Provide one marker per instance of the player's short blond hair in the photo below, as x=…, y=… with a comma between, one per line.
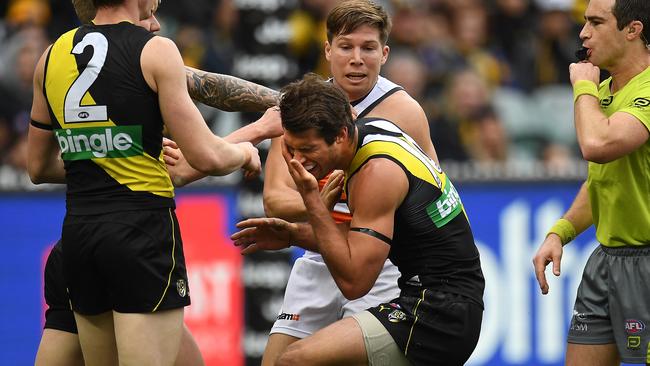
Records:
x=85, y=10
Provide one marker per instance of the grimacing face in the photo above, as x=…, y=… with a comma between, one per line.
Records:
x=311, y=150
x=356, y=59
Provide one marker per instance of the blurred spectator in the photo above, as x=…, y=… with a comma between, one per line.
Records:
x=513, y=33
x=489, y=139
x=32, y=12
x=308, y=36
x=465, y=94
x=20, y=55
x=557, y=42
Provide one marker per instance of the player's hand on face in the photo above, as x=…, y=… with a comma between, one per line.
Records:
x=305, y=181
x=254, y=166
x=331, y=192
x=584, y=71
x=262, y=234
x=550, y=251
x=270, y=123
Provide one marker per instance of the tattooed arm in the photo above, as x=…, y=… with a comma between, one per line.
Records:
x=229, y=93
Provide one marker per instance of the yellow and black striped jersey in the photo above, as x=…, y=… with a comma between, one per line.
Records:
x=106, y=120
x=432, y=242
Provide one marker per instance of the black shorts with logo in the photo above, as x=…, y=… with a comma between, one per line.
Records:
x=432, y=327
x=58, y=314
x=128, y=261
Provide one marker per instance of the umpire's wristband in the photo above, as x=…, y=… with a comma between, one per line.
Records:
x=564, y=229
x=582, y=87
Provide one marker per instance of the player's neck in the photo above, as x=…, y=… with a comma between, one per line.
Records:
x=628, y=68
x=116, y=14
x=349, y=152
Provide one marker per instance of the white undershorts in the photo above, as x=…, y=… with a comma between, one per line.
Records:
x=312, y=300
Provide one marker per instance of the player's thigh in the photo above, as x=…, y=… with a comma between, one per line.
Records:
x=59, y=348
x=592, y=355
x=338, y=344
x=149, y=338
x=277, y=343
x=189, y=353
x=97, y=339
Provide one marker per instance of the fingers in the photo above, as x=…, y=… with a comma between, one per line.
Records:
x=556, y=264
x=540, y=267
x=335, y=179
x=170, y=155
x=170, y=143
x=253, y=248
x=300, y=170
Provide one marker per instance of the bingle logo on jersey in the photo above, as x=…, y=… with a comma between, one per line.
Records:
x=633, y=326
x=100, y=142
x=285, y=316
x=446, y=207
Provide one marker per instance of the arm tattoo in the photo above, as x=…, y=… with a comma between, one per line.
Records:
x=229, y=93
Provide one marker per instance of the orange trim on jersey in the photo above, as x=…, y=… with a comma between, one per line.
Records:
x=339, y=217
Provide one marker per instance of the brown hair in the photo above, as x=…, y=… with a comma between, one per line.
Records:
x=313, y=103
x=349, y=15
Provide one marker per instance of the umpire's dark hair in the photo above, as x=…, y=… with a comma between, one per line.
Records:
x=313, y=103
x=626, y=11
x=106, y=3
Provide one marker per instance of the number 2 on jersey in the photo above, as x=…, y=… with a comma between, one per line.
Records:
x=74, y=111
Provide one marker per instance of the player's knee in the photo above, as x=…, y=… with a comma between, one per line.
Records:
x=295, y=354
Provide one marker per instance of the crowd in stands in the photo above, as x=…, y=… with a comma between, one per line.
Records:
x=492, y=75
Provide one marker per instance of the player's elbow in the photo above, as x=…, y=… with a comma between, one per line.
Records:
x=271, y=204
x=36, y=177
x=353, y=291
x=595, y=152
x=36, y=172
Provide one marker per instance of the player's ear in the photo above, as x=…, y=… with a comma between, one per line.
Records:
x=384, y=54
x=328, y=50
x=634, y=30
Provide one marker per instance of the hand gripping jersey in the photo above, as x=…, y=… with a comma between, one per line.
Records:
x=106, y=120
x=432, y=246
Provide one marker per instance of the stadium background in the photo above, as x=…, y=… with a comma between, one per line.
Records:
x=492, y=77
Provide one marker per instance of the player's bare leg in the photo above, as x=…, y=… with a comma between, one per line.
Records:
x=149, y=339
x=189, y=353
x=592, y=355
x=59, y=348
x=276, y=344
x=338, y=344
x=97, y=339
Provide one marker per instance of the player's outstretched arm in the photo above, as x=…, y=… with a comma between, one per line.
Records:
x=163, y=69
x=229, y=93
